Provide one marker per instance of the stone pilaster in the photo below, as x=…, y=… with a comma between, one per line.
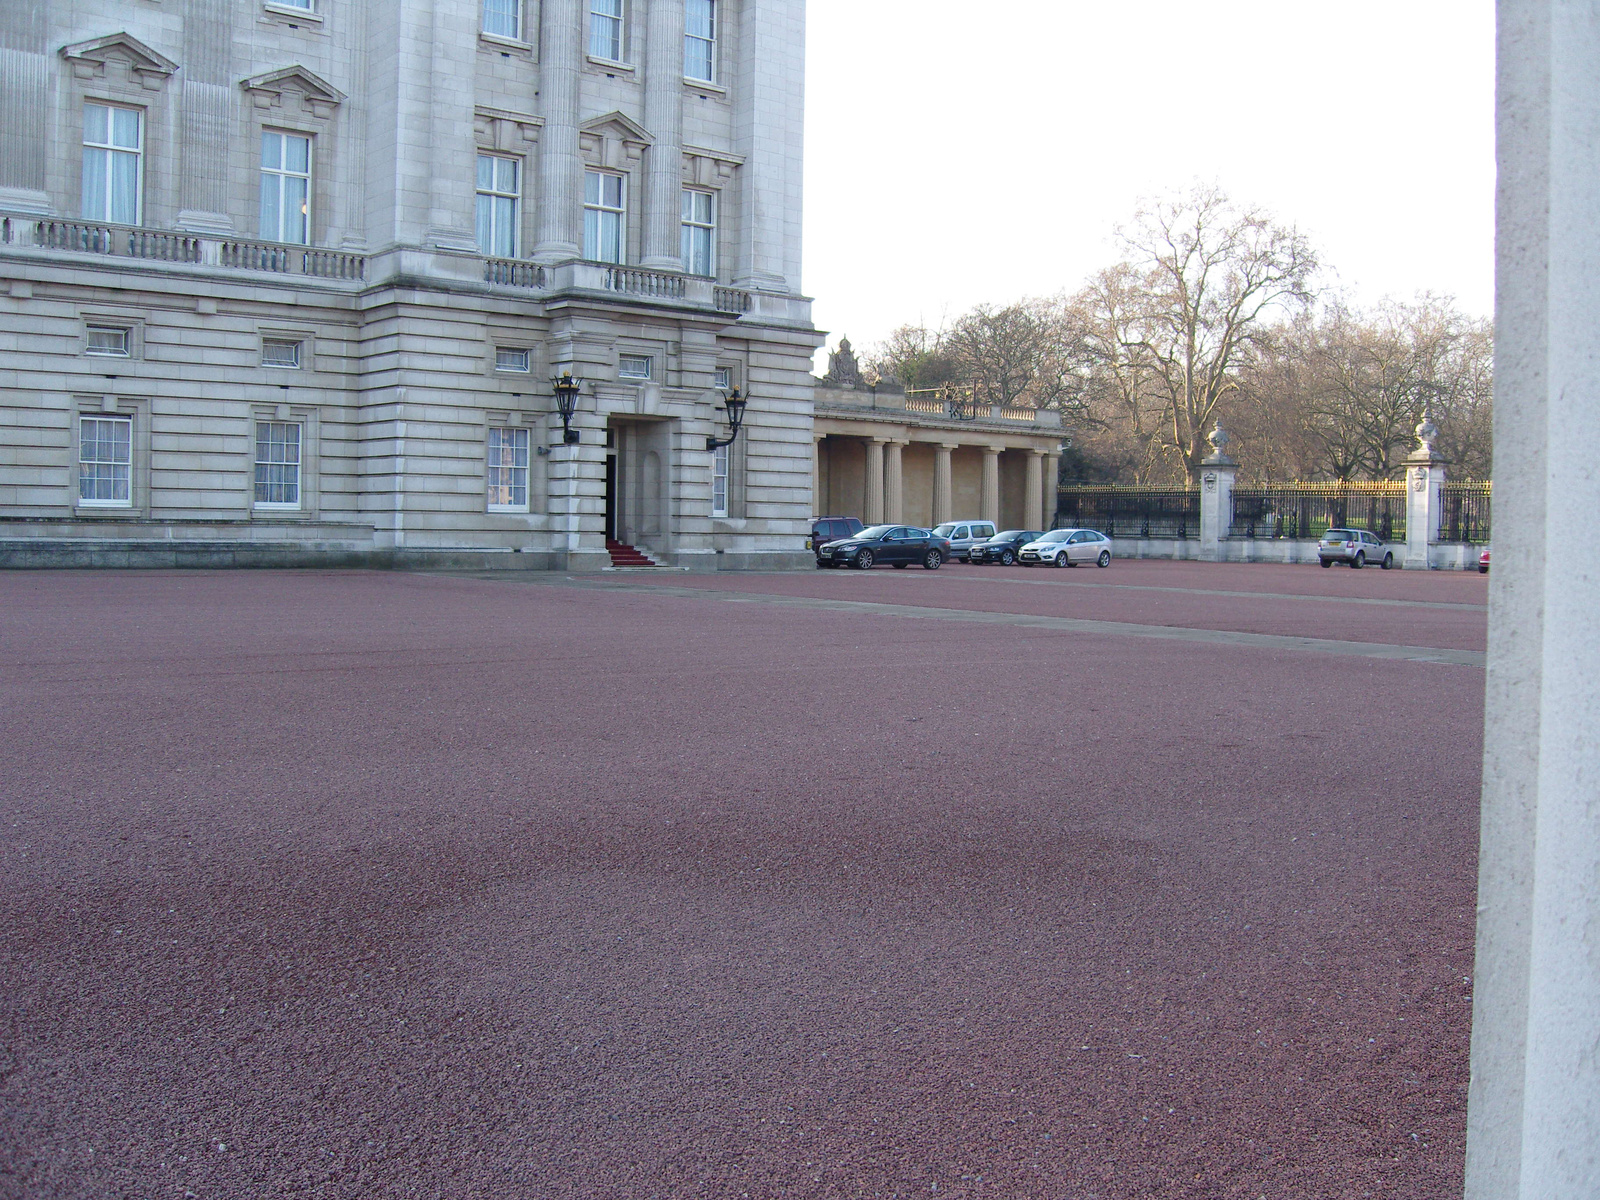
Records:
x=561, y=31
x=989, y=509
x=663, y=116
x=451, y=183
x=769, y=121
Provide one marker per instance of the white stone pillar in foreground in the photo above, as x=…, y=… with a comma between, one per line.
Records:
x=1533, y=1117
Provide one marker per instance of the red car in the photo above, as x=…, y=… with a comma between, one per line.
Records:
x=1483, y=563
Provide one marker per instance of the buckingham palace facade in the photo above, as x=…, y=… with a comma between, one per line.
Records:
x=292, y=280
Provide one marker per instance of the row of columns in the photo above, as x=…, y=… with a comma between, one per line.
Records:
x=886, y=484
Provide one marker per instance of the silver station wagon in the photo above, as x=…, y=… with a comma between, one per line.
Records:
x=1354, y=546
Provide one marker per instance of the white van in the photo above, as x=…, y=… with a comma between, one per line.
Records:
x=962, y=534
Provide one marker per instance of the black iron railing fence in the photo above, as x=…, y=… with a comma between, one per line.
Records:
x=1129, y=512
x=1464, y=511
x=1303, y=511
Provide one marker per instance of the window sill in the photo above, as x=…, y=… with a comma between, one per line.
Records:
x=291, y=12
x=502, y=510
x=501, y=42
x=607, y=64
x=277, y=509
x=106, y=506
x=702, y=85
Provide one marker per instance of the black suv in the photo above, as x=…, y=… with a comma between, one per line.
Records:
x=1002, y=547
x=831, y=529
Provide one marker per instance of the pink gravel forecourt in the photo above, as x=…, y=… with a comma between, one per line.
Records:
x=1080, y=885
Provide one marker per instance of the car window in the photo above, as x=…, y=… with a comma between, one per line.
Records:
x=1341, y=535
x=961, y=532
x=944, y=530
x=875, y=531
x=1057, y=535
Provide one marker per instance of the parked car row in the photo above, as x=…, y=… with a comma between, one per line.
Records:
x=842, y=542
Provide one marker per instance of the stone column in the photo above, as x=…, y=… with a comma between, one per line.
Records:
x=1533, y=1109
x=1424, y=475
x=989, y=508
x=942, y=483
x=1217, y=472
x=873, y=514
x=663, y=117
x=894, y=484
x=561, y=29
x=1033, y=492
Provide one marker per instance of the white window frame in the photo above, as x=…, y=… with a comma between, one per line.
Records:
x=282, y=468
x=279, y=181
x=498, y=214
x=506, y=468
x=721, y=462
x=705, y=44
x=511, y=8
x=299, y=353
x=90, y=469
x=95, y=327
x=309, y=6
x=611, y=44
x=503, y=360
x=110, y=152
x=605, y=213
x=697, y=229
x=628, y=366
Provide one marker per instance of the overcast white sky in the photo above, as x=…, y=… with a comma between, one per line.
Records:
x=960, y=153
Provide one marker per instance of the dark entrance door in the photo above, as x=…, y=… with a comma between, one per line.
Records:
x=611, y=496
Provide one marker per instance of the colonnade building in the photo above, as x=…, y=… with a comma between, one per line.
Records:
x=888, y=455
x=292, y=278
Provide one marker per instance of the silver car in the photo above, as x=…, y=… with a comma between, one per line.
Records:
x=1067, y=548
x=1354, y=546
x=963, y=535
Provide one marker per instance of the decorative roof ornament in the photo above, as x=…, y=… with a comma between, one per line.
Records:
x=843, y=370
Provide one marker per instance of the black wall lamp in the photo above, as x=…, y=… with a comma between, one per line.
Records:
x=735, y=409
x=566, y=404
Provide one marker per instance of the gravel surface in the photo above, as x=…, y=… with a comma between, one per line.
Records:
x=381, y=885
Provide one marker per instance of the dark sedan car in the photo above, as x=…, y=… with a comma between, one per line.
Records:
x=1002, y=547
x=898, y=545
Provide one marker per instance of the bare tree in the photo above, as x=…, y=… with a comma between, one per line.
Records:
x=1213, y=276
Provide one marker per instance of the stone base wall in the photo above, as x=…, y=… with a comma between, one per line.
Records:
x=1442, y=557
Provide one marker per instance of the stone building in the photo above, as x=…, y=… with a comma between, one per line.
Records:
x=885, y=454
x=284, y=278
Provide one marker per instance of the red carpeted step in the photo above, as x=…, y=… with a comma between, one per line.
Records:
x=623, y=555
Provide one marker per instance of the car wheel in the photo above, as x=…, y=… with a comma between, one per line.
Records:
x=1007, y=558
x=932, y=560
x=863, y=561
x=1105, y=558
x=1327, y=562
x=1388, y=561
x=1063, y=560
x=1483, y=570
x=1359, y=561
